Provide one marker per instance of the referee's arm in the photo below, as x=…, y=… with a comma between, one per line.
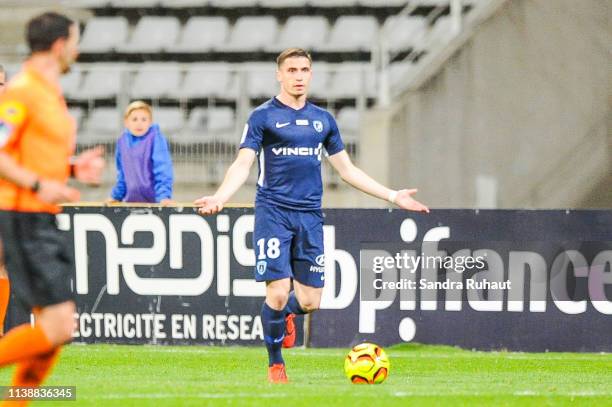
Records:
x=47, y=190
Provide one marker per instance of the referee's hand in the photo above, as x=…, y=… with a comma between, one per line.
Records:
x=208, y=205
x=89, y=165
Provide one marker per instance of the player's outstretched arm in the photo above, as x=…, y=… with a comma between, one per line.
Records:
x=235, y=176
x=362, y=181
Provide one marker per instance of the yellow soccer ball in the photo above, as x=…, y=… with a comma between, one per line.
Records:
x=367, y=363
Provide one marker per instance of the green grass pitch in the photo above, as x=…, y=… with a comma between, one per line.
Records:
x=112, y=375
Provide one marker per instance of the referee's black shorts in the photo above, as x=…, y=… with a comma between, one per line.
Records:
x=37, y=257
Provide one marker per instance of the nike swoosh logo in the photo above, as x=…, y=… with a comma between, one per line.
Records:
x=281, y=125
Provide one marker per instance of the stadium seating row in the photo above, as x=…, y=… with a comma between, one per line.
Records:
x=211, y=80
x=248, y=3
x=200, y=34
x=200, y=126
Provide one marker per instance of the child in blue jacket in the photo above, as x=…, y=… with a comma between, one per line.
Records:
x=144, y=164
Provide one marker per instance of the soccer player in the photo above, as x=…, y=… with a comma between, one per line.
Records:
x=37, y=138
x=5, y=291
x=288, y=134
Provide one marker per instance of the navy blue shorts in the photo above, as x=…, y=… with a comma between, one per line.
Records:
x=289, y=244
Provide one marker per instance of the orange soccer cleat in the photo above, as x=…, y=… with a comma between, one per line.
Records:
x=289, y=340
x=277, y=374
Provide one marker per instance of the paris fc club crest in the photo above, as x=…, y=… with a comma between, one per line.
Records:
x=318, y=125
x=261, y=267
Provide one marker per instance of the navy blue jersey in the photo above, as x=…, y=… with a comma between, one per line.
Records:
x=290, y=144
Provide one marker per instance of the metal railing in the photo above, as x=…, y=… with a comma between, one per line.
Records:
x=204, y=146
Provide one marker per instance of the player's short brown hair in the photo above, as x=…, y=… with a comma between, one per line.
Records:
x=291, y=53
x=43, y=30
x=138, y=105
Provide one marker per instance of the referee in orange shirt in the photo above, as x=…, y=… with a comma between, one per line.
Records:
x=5, y=292
x=37, y=139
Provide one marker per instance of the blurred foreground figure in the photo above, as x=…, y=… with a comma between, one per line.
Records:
x=37, y=139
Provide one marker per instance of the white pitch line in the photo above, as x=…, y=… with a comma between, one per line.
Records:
x=403, y=355
x=188, y=395
x=463, y=355
x=526, y=393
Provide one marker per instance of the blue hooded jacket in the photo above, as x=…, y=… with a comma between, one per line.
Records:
x=161, y=164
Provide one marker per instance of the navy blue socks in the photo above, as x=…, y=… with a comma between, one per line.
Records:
x=273, y=322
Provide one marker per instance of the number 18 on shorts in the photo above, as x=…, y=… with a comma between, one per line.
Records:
x=289, y=244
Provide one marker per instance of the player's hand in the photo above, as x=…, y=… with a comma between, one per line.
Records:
x=208, y=205
x=167, y=202
x=88, y=166
x=405, y=200
x=111, y=201
x=55, y=192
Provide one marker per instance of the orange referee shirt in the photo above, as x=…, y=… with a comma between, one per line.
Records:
x=37, y=131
